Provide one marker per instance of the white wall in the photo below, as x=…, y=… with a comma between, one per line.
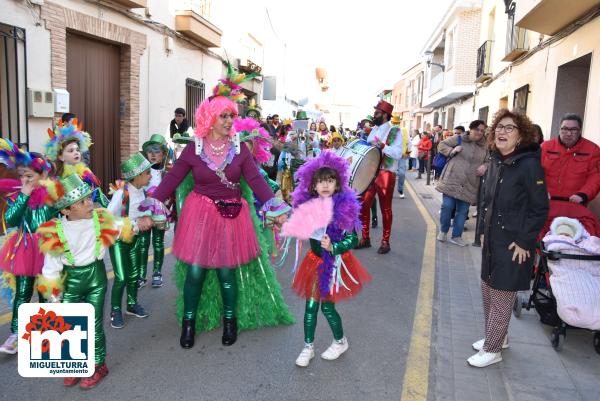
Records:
x=38, y=59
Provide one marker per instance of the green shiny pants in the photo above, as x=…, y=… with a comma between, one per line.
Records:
x=126, y=260
x=158, y=246
x=23, y=293
x=310, y=320
x=192, y=290
x=88, y=284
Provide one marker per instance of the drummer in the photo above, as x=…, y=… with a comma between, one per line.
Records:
x=389, y=140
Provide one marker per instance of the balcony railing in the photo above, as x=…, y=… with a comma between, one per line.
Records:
x=484, y=59
x=516, y=40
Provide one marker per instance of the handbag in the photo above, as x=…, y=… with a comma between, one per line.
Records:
x=228, y=209
x=439, y=161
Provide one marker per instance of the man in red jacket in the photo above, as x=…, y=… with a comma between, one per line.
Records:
x=572, y=168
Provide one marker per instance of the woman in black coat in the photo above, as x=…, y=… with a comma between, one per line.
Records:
x=515, y=205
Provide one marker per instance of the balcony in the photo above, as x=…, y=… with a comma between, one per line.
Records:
x=516, y=42
x=484, y=58
x=197, y=28
x=131, y=3
x=550, y=16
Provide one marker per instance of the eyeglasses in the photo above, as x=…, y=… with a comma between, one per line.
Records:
x=572, y=130
x=507, y=128
x=226, y=116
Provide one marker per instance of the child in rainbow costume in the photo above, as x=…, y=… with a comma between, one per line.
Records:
x=326, y=211
x=65, y=147
x=74, y=248
x=20, y=258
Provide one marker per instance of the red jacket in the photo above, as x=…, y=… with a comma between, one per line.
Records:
x=572, y=171
x=425, y=146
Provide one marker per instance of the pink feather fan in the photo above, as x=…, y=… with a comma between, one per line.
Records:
x=309, y=217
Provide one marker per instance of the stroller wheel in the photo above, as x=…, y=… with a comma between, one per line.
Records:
x=557, y=338
x=518, y=305
x=597, y=341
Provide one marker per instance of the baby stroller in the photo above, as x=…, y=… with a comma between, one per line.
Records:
x=566, y=286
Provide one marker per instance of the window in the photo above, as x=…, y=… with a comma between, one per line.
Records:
x=194, y=95
x=450, y=123
x=520, y=99
x=450, y=49
x=13, y=84
x=483, y=114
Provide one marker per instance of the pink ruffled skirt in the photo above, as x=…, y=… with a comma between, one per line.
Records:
x=205, y=238
x=21, y=255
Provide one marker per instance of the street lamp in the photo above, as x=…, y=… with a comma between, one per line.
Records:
x=429, y=57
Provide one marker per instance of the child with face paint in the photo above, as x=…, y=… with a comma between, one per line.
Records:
x=20, y=257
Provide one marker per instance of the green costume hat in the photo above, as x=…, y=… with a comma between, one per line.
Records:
x=301, y=115
x=134, y=166
x=182, y=139
x=75, y=189
x=156, y=139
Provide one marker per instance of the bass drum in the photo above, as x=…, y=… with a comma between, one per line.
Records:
x=364, y=164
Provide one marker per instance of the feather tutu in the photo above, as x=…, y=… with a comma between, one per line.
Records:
x=309, y=217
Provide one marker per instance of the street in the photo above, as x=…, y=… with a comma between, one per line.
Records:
x=146, y=361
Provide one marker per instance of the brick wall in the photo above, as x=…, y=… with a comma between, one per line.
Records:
x=466, y=47
x=58, y=19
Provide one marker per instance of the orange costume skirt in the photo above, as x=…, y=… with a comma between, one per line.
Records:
x=353, y=276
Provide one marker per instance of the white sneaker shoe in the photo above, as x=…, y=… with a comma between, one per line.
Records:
x=478, y=345
x=308, y=353
x=10, y=345
x=401, y=195
x=483, y=359
x=457, y=241
x=442, y=237
x=336, y=349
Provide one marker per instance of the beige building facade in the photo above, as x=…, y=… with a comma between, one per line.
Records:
x=121, y=66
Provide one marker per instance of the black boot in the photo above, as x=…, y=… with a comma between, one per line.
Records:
x=229, y=331
x=188, y=330
x=374, y=222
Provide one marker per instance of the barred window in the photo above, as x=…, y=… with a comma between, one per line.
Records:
x=13, y=84
x=194, y=95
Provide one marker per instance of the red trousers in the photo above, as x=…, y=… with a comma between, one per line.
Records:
x=383, y=186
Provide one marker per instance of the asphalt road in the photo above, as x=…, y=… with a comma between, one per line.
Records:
x=146, y=362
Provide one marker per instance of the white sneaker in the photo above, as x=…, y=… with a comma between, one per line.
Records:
x=483, y=359
x=457, y=241
x=401, y=195
x=308, y=353
x=478, y=345
x=10, y=345
x=336, y=349
x=442, y=237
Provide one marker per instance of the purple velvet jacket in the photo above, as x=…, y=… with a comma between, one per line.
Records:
x=206, y=181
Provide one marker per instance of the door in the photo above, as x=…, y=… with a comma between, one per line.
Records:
x=93, y=84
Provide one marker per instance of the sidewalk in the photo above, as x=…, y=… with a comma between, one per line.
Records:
x=531, y=369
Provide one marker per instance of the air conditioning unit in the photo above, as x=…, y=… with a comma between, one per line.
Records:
x=40, y=103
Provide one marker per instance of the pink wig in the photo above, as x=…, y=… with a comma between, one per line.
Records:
x=208, y=112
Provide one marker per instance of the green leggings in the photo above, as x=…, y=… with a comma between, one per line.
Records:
x=310, y=320
x=23, y=294
x=126, y=260
x=158, y=246
x=192, y=290
x=88, y=284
